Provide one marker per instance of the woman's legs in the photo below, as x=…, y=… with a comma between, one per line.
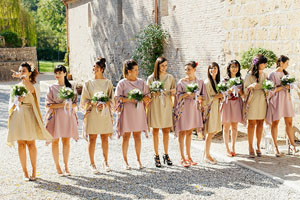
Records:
x=208, y=140
x=22, y=156
x=55, y=154
x=155, y=132
x=104, y=145
x=259, y=132
x=92, y=144
x=166, y=132
x=138, y=146
x=188, y=140
x=226, y=137
x=181, y=137
x=289, y=130
x=125, y=144
x=234, y=128
x=66, y=152
x=251, y=127
x=33, y=156
x=274, y=132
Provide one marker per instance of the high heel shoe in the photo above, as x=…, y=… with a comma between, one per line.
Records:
x=105, y=166
x=210, y=161
x=277, y=152
x=294, y=150
x=258, y=153
x=157, y=161
x=94, y=169
x=127, y=167
x=184, y=163
x=189, y=160
x=167, y=159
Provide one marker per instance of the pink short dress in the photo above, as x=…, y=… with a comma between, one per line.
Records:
x=187, y=112
x=132, y=118
x=232, y=110
x=60, y=124
x=280, y=103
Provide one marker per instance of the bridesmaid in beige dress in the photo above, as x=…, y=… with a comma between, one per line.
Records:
x=213, y=124
x=160, y=110
x=256, y=104
x=95, y=122
x=25, y=124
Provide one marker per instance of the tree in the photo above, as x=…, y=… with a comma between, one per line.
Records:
x=15, y=18
x=150, y=43
x=248, y=56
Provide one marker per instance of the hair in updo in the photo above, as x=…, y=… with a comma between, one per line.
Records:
x=34, y=73
x=283, y=59
x=193, y=64
x=128, y=65
x=101, y=62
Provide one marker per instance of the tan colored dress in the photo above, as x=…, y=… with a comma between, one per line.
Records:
x=95, y=122
x=257, y=101
x=160, y=110
x=26, y=123
x=213, y=123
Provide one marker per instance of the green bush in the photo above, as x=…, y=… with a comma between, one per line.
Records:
x=150, y=43
x=248, y=56
x=11, y=39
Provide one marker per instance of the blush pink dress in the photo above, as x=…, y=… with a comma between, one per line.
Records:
x=132, y=118
x=232, y=111
x=280, y=103
x=60, y=124
x=191, y=114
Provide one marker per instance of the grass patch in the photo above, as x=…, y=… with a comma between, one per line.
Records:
x=48, y=66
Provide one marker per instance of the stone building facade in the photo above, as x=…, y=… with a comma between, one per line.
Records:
x=202, y=30
x=11, y=58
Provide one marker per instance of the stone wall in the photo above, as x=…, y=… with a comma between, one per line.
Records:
x=11, y=58
x=203, y=30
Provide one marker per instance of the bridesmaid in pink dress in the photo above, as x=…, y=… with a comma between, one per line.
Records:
x=232, y=110
x=132, y=117
x=188, y=114
x=59, y=123
x=280, y=104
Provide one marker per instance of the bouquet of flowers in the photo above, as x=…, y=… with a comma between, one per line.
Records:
x=286, y=80
x=234, y=84
x=191, y=88
x=100, y=97
x=222, y=87
x=156, y=86
x=18, y=91
x=268, y=85
x=237, y=81
x=66, y=93
x=135, y=94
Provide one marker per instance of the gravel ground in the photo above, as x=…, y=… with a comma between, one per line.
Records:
x=222, y=181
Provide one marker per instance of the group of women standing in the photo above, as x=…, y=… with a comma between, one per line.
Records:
x=170, y=109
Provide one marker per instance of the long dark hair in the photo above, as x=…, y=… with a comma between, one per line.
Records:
x=234, y=62
x=34, y=73
x=158, y=61
x=61, y=68
x=128, y=65
x=259, y=59
x=283, y=59
x=218, y=77
x=101, y=62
